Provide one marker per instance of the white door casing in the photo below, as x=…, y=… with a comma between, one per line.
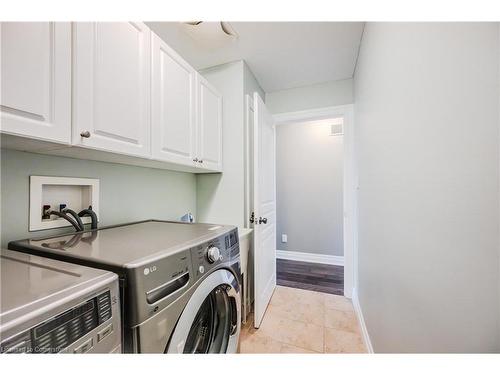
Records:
x=173, y=105
x=264, y=191
x=36, y=80
x=209, y=129
x=350, y=182
x=249, y=133
x=112, y=86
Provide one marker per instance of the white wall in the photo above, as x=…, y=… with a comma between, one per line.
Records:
x=221, y=197
x=250, y=83
x=327, y=94
x=427, y=116
x=309, y=188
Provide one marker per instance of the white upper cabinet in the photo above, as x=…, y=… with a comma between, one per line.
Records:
x=173, y=105
x=209, y=130
x=186, y=110
x=107, y=87
x=112, y=86
x=36, y=80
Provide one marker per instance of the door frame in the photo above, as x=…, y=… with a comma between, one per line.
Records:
x=248, y=155
x=350, y=182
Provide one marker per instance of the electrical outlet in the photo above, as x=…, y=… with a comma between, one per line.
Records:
x=284, y=238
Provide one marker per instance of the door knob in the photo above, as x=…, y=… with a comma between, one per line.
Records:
x=85, y=134
x=262, y=220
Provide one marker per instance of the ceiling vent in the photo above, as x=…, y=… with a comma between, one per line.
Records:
x=210, y=35
x=337, y=129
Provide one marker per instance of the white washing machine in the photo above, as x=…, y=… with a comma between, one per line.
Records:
x=47, y=306
x=179, y=282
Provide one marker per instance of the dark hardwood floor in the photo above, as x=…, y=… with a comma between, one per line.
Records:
x=311, y=276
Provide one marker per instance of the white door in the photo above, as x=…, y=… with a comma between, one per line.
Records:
x=264, y=191
x=209, y=150
x=112, y=85
x=36, y=80
x=173, y=105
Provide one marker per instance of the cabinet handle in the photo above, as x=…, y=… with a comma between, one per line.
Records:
x=85, y=134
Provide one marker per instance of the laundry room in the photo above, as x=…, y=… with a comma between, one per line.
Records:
x=284, y=187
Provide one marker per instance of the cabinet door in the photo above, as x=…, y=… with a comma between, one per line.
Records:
x=173, y=105
x=209, y=149
x=112, y=82
x=36, y=80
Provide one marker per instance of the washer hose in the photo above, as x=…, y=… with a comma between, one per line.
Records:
x=92, y=214
x=75, y=216
x=66, y=217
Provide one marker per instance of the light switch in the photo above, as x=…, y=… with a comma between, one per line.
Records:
x=284, y=238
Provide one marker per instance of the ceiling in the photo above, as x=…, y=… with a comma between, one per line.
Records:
x=282, y=55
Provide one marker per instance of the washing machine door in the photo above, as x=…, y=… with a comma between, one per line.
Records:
x=210, y=322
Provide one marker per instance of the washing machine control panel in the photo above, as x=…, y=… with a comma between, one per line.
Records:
x=214, y=252
x=232, y=243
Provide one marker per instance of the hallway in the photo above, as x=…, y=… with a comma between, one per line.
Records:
x=325, y=278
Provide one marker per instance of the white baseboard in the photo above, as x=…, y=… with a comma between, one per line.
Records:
x=361, y=319
x=310, y=257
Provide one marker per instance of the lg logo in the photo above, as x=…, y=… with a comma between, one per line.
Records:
x=148, y=270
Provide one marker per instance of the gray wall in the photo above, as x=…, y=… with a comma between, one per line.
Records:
x=126, y=193
x=309, y=188
x=327, y=94
x=426, y=105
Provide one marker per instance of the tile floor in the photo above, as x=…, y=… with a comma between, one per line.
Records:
x=303, y=321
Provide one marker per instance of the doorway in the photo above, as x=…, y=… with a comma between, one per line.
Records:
x=329, y=121
x=309, y=205
x=348, y=191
